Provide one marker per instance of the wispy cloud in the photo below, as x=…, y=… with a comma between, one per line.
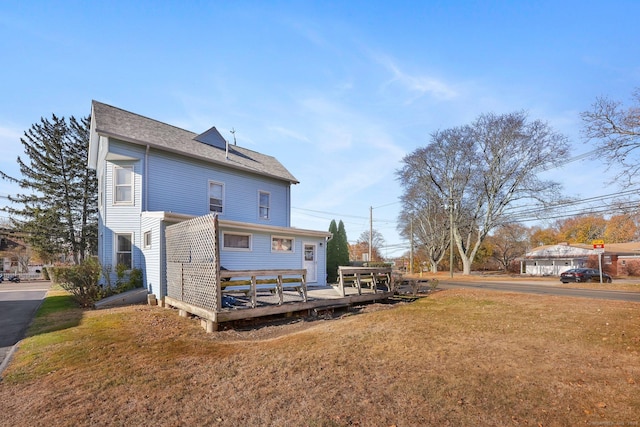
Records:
x=419, y=85
x=289, y=133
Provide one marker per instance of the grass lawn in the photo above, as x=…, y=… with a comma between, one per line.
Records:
x=458, y=357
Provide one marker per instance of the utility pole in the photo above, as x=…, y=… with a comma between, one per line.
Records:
x=370, y=230
x=411, y=250
x=451, y=239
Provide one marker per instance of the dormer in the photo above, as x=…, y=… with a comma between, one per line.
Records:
x=212, y=137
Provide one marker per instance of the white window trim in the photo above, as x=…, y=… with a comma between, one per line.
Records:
x=225, y=248
x=115, y=247
x=147, y=239
x=268, y=217
x=292, y=248
x=115, y=185
x=221, y=184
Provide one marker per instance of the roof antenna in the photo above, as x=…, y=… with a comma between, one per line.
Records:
x=233, y=132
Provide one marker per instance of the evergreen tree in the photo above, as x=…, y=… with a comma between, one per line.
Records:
x=59, y=207
x=342, y=245
x=332, y=253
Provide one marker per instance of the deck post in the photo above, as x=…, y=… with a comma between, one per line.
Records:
x=303, y=286
x=279, y=289
x=254, y=292
x=210, y=326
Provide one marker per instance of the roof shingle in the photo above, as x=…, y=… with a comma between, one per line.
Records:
x=120, y=124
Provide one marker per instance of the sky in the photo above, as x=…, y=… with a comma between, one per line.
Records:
x=339, y=92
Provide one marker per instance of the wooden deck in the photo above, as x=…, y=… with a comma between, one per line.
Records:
x=317, y=298
x=197, y=284
x=259, y=298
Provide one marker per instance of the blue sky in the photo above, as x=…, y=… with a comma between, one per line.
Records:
x=339, y=92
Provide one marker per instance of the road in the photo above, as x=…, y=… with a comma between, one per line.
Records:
x=540, y=288
x=18, y=304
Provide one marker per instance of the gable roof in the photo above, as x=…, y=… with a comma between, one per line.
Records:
x=564, y=250
x=209, y=146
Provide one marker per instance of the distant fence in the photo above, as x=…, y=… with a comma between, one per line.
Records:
x=23, y=276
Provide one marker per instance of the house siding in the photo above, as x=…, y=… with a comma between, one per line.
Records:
x=261, y=245
x=153, y=273
x=179, y=184
x=171, y=175
x=123, y=218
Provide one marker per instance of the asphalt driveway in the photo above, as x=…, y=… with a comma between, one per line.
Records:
x=18, y=305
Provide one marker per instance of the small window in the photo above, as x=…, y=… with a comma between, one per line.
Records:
x=123, y=184
x=124, y=245
x=281, y=244
x=216, y=192
x=264, y=204
x=236, y=241
x=147, y=239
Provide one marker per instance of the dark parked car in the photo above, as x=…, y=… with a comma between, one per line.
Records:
x=584, y=275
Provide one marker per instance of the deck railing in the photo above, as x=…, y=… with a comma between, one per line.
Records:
x=277, y=280
x=358, y=277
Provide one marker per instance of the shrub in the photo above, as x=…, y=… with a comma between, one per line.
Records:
x=377, y=264
x=82, y=281
x=633, y=268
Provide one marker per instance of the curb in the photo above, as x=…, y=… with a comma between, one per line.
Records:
x=7, y=359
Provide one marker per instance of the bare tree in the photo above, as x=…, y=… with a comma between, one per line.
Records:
x=481, y=169
x=616, y=131
x=509, y=242
x=425, y=224
x=377, y=243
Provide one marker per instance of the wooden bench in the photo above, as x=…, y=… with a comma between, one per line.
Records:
x=274, y=280
x=371, y=277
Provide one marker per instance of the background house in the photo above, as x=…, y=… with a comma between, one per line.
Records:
x=552, y=260
x=151, y=174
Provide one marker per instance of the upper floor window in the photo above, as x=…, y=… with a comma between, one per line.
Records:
x=216, y=193
x=264, y=205
x=123, y=184
x=124, y=245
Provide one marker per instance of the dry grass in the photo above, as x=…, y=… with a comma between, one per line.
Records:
x=619, y=283
x=459, y=357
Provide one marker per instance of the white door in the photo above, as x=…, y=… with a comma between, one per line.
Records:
x=310, y=263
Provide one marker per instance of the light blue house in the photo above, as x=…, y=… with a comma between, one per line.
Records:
x=151, y=175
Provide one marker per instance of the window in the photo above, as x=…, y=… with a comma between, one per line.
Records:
x=147, y=239
x=123, y=184
x=264, y=204
x=124, y=249
x=281, y=244
x=236, y=241
x=216, y=191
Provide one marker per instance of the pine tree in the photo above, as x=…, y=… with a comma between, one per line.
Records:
x=343, y=245
x=332, y=253
x=58, y=210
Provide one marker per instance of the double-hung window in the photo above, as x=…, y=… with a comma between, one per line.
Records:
x=264, y=204
x=123, y=184
x=216, y=196
x=124, y=246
